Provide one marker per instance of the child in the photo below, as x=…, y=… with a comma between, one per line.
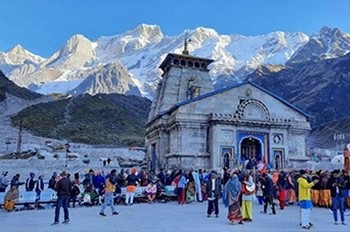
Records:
x=87, y=200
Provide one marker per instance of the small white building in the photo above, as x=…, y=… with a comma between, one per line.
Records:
x=191, y=125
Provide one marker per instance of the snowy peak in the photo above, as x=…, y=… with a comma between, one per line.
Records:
x=18, y=55
x=152, y=33
x=17, y=49
x=75, y=45
x=326, y=43
x=113, y=47
x=85, y=64
x=108, y=78
x=75, y=54
x=201, y=34
x=328, y=32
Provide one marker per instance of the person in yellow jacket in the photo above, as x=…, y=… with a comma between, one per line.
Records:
x=305, y=198
x=111, y=181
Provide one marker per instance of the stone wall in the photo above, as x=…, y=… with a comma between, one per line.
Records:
x=188, y=161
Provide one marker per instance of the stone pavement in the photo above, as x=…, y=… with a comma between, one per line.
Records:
x=168, y=217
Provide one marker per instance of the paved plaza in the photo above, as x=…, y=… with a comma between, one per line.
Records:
x=168, y=217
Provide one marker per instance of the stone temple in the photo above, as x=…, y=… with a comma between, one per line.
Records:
x=192, y=125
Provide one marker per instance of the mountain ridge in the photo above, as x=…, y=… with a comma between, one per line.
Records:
x=320, y=88
x=142, y=49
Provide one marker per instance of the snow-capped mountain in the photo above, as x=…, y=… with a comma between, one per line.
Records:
x=18, y=55
x=325, y=44
x=143, y=48
x=17, y=62
x=77, y=52
x=108, y=78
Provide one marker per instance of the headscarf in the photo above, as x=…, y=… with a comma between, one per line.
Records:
x=232, y=188
x=133, y=171
x=12, y=194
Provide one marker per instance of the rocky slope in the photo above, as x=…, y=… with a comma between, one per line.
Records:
x=325, y=44
x=321, y=88
x=101, y=119
x=323, y=136
x=109, y=78
x=7, y=87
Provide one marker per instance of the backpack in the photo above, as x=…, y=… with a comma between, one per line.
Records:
x=248, y=190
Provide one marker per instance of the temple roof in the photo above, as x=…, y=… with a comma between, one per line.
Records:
x=177, y=105
x=169, y=60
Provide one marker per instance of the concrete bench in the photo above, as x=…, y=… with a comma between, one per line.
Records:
x=170, y=191
x=2, y=200
x=140, y=192
x=26, y=197
x=48, y=196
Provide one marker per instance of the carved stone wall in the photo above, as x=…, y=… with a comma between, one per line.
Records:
x=194, y=133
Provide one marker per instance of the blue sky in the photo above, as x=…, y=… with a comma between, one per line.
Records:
x=43, y=26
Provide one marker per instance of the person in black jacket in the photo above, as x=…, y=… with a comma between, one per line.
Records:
x=74, y=193
x=168, y=178
x=15, y=181
x=213, y=194
x=30, y=182
x=30, y=186
x=38, y=189
x=52, y=181
x=63, y=188
x=161, y=176
x=268, y=192
x=132, y=181
x=337, y=184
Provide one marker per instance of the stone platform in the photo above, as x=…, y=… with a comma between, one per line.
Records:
x=169, y=217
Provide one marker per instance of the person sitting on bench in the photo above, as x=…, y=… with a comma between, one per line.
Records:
x=10, y=198
x=151, y=191
x=161, y=194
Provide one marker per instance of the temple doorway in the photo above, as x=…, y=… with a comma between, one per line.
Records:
x=278, y=159
x=251, y=148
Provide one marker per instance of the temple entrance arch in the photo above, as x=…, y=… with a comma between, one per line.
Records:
x=261, y=142
x=251, y=147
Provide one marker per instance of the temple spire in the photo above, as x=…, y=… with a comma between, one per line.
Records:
x=185, y=51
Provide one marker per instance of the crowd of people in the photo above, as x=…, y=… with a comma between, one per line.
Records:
x=237, y=188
